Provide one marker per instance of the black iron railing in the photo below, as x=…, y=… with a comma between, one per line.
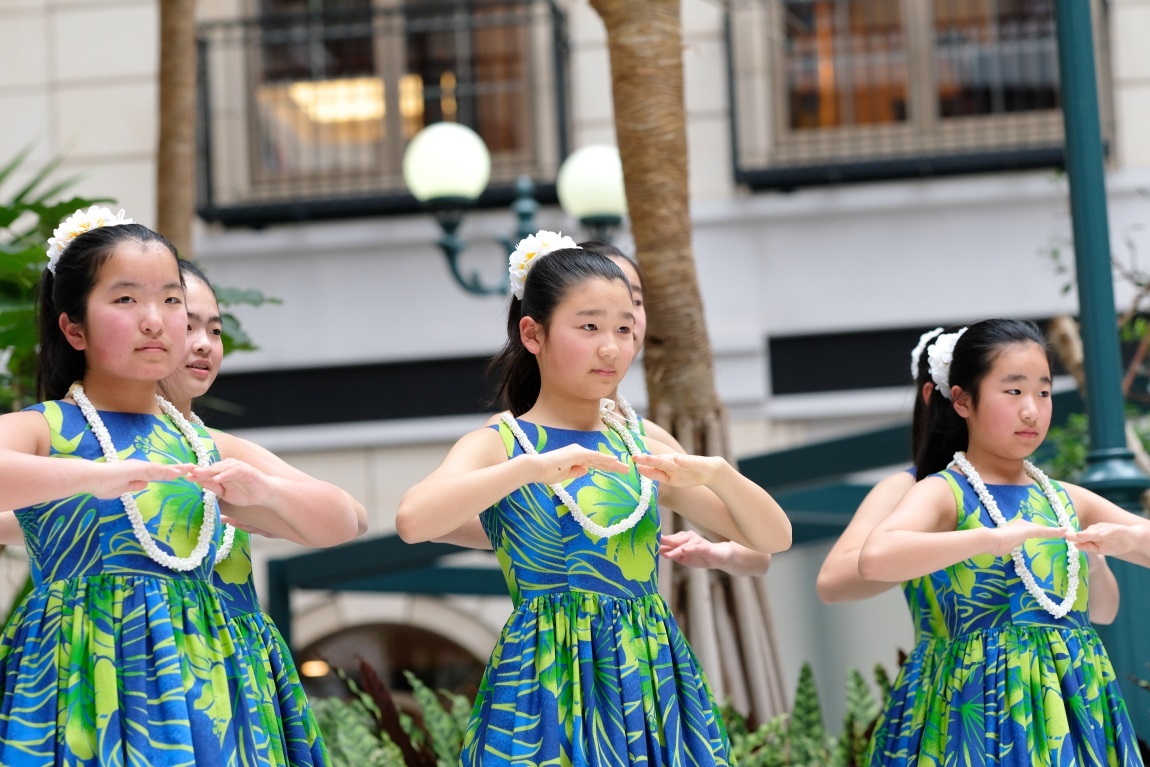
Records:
x=825, y=91
x=306, y=115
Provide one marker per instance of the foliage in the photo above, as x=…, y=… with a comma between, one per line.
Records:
x=27, y=219
x=1064, y=451
x=799, y=739
x=369, y=729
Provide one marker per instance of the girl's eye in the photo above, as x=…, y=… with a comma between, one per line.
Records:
x=124, y=300
x=591, y=326
x=1013, y=391
x=625, y=329
x=173, y=300
x=1044, y=393
x=216, y=331
x=638, y=303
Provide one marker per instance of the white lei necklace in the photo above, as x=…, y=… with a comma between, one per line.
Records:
x=1057, y=610
x=634, y=423
x=229, y=531
x=132, y=509
x=645, y=485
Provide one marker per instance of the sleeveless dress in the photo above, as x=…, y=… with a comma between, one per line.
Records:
x=899, y=727
x=590, y=669
x=1016, y=685
x=284, y=710
x=113, y=659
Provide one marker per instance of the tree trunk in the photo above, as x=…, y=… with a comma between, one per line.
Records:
x=176, y=143
x=727, y=620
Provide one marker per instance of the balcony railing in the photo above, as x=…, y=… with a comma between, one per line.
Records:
x=826, y=91
x=306, y=115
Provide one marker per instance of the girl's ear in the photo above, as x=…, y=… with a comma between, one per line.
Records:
x=531, y=334
x=73, y=332
x=961, y=401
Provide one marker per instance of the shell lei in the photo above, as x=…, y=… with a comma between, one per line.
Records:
x=1073, y=565
x=645, y=485
x=132, y=509
x=229, y=531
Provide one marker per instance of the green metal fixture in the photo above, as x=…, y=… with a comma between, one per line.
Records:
x=1111, y=470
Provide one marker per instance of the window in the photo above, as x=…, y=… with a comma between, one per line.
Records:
x=308, y=107
x=828, y=90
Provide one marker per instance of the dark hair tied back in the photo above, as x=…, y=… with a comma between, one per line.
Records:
x=550, y=280
x=66, y=292
x=974, y=355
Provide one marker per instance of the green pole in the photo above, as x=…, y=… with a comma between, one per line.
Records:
x=1110, y=468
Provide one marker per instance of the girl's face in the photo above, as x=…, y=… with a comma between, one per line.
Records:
x=639, y=331
x=136, y=324
x=1014, y=405
x=205, y=347
x=589, y=344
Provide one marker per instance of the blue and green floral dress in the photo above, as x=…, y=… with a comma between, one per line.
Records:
x=591, y=669
x=1016, y=685
x=899, y=727
x=113, y=659
x=284, y=708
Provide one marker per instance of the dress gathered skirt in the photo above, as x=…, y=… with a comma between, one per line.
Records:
x=591, y=668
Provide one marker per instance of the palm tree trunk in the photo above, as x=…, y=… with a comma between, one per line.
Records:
x=645, y=43
x=176, y=144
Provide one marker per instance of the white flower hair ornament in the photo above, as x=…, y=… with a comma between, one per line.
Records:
x=939, y=356
x=528, y=251
x=916, y=353
x=78, y=223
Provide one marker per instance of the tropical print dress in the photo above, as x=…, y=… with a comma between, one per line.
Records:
x=113, y=659
x=899, y=727
x=284, y=710
x=1016, y=685
x=591, y=669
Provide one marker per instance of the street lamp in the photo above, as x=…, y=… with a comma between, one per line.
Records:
x=590, y=186
x=446, y=167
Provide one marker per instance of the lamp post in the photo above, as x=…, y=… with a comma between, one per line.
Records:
x=446, y=167
x=1110, y=467
x=590, y=186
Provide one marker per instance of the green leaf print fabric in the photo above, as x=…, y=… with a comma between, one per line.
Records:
x=1015, y=685
x=112, y=659
x=294, y=735
x=591, y=668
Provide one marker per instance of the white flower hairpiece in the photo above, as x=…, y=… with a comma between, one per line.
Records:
x=916, y=353
x=78, y=223
x=528, y=250
x=939, y=356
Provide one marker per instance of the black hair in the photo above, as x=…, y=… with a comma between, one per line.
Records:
x=974, y=355
x=66, y=292
x=920, y=423
x=548, y=282
x=604, y=248
x=189, y=269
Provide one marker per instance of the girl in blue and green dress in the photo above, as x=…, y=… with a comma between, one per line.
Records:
x=590, y=669
x=121, y=654
x=1021, y=678
x=898, y=730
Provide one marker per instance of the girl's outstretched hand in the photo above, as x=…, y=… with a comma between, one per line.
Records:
x=1108, y=538
x=690, y=549
x=235, y=482
x=1014, y=533
x=573, y=461
x=131, y=476
x=679, y=469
